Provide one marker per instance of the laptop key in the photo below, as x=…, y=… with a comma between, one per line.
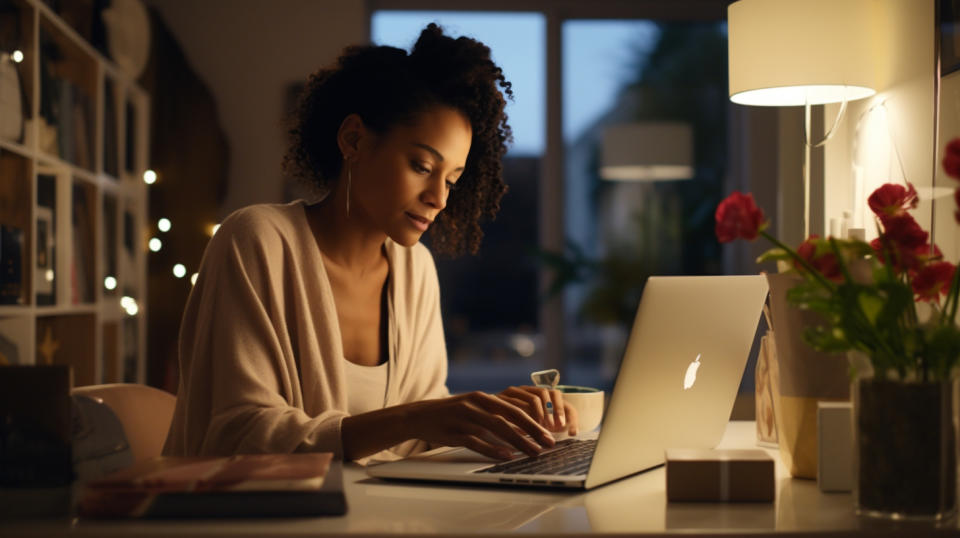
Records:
x=572, y=458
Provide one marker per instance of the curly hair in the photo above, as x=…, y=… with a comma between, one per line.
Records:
x=387, y=87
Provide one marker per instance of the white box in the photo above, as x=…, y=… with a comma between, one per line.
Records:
x=835, y=446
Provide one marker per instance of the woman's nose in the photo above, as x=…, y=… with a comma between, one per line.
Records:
x=435, y=195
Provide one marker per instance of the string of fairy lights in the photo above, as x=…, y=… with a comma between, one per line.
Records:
x=155, y=244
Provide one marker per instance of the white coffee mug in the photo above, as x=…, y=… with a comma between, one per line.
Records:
x=588, y=402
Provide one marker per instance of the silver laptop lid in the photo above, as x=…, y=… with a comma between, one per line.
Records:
x=680, y=371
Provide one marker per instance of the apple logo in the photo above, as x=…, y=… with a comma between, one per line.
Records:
x=691, y=377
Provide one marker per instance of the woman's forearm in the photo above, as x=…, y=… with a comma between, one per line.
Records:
x=369, y=433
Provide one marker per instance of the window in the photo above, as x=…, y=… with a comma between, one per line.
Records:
x=619, y=65
x=636, y=78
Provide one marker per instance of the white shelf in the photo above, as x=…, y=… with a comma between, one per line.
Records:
x=97, y=330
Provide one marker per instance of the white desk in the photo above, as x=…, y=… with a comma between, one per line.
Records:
x=636, y=505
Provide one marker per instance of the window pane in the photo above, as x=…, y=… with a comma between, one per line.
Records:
x=653, y=80
x=517, y=44
x=490, y=300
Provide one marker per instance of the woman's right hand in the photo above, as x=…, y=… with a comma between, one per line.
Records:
x=478, y=421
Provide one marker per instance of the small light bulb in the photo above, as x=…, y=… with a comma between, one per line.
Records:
x=17, y=56
x=155, y=244
x=163, y=225
x=126, y=301
x=149, y=177
x=193, y=279
x=132, y=308
x=110, y=283
x=179, y=270
x=49, y=275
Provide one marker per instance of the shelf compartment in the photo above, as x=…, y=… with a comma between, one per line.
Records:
x=17, y=58
x=15, y=228
x=110, y=356
x=112, y=117
x=68, y=90
x=16, y=335
x=109, y=236
x=69, y=340
x=83, y=243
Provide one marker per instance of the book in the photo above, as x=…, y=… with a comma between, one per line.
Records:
x=250, y=485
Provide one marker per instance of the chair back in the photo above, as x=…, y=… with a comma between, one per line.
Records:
x=145, y=413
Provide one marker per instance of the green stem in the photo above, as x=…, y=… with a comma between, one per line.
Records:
x=859, y=317
x=806, y=265
x=952, y=296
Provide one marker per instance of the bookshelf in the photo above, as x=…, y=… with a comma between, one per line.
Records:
x=73, y=203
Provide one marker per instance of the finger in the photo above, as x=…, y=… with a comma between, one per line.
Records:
x=515, y=401
x=486, y=448
x=545, y=403
x=531, y=402
x=499, y=417
x=558, y=405
x=573, y=419
x=501, y=428
x=538, y=430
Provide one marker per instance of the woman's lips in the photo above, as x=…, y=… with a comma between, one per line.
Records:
x=419, y=222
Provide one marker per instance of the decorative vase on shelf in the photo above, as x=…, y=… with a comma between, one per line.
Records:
x=905, y=445
x=806, y=376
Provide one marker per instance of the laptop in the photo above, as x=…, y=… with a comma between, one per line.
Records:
x=675, y=388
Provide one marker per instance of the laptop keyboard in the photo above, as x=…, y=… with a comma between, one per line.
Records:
x=569, y=457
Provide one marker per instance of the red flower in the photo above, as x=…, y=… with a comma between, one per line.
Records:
x=933, y=281
x=825, y=263
x=904, y=232
x=893, y=200
x=738, y=217
x=951, y=159
x=908, y=241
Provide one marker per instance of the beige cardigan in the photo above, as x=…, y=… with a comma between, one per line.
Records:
x=261, y=360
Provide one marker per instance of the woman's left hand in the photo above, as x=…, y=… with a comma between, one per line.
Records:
x=546, y=406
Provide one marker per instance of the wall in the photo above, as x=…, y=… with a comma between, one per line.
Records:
x=249, y=52
x=890, y=136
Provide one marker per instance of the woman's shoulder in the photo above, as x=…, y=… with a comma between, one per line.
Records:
x=262, y=224
x=263, y=217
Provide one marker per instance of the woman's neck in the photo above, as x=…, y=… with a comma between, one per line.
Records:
x=346, y=239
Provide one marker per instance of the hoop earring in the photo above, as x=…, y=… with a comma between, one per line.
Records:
x=349, y=183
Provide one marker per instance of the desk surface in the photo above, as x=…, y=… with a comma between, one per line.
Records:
x=636, y=505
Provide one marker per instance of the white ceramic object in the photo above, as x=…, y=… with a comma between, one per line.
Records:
x=589, y=405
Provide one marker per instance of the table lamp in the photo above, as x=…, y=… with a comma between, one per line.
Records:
x=647, y=151
x=801, y=53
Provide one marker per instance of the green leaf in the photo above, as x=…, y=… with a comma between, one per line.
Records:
x=871, y=306
x=774, y=254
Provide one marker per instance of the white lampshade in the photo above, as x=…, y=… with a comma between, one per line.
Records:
x=649, y=151
x=793, y=52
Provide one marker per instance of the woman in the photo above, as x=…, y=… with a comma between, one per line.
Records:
x=318, y=327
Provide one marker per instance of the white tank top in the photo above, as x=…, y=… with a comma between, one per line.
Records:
x=366, y=387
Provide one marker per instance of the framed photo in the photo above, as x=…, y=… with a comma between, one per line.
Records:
x=46, y=233
x=949, y=24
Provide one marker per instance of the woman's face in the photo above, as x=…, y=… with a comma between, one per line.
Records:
x=402, y=178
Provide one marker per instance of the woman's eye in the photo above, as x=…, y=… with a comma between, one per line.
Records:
x=419, y=168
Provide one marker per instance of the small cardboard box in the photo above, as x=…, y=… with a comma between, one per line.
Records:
x=719, y=475
x=834, y=446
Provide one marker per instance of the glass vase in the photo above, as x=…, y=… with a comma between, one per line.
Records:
x=905, y=447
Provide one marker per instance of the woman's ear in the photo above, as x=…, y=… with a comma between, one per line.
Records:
x=351, y=132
